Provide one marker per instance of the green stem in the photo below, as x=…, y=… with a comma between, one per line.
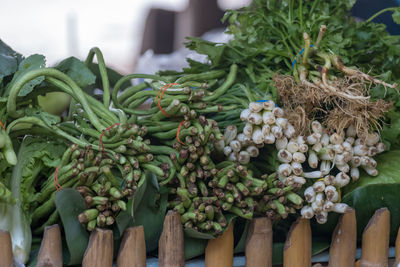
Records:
x=301, y=14
x=381, y=12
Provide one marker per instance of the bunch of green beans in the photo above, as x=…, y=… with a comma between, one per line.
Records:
x=93, y=171
x=278, y=200
x=104, y=202
x=204, y=191
x=208, y=93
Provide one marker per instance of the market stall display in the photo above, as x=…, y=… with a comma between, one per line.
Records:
x=296, y=116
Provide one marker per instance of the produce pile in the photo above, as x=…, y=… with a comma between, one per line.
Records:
x=262, y=128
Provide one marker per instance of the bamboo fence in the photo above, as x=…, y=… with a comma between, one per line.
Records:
x=219, y=251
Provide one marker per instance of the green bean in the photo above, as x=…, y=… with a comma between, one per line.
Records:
x=103, y=73
x=172, y=133
x=121, y=115
x=43, y=209
x=225, y=86
x=166, y=150
x=131, y=91
x=166, y=135
x=161, y=127
x=53, y=218
x=172, y=90
x=170, y=110
x=140, y=95
x=134, y=104
x=107, y=171
x=195, y=84
x=154, y=169
x=99, y=109
x=112, y=145
x=70, y=128
x=213, y=74
x=280, y=207
x=64, y=169
x=17, y=86
x=172, y=169
x=239, y=212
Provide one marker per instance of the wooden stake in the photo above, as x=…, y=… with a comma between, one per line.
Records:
x=344, y=241
x=297, y=249
x=375, y=240
x=50, y=253
x=132, y=251
x=6, y=256
x=171, y=250
x=259, y=243
x=397, y=261
x=99, y=252
x=219, y=251
x=357, y=263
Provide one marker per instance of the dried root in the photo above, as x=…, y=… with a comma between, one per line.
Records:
x=303, y=103
x=330, y=92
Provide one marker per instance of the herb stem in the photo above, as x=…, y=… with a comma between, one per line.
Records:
x=381, y=12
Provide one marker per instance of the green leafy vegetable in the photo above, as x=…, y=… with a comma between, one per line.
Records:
x=77, y=70
x=9, y=60
x=69, y=205
x=30, y=63
x=150, y=212
x=35, y=157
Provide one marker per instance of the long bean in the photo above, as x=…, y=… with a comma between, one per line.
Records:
x=99, y=109
x=103, y=73
x=213, y=74
x=17, y=86
x=225, y=86
x=132, y=90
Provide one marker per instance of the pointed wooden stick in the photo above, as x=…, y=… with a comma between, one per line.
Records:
x=50, y=253
x=132, y=251
x=219, y=251
x=259, y=243
x=375, y=240
x=344, y=241
x=99, y=252
x=357, y=263
x=171, y=250
x=6, y=256
x=397, y=261
x=297, y=249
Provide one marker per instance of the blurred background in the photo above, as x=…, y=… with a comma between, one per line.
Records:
x=124, y=29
